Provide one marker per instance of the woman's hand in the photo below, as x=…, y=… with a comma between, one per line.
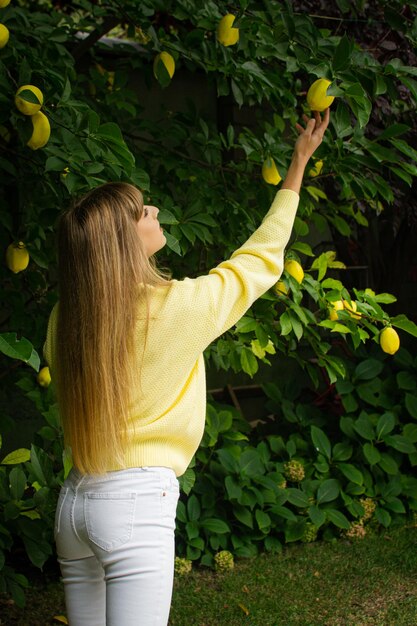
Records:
x=307, y=143
x=312, y=135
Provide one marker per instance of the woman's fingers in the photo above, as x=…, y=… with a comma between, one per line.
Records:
x=316, y=123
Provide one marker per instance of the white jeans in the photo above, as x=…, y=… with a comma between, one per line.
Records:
x=115, y=543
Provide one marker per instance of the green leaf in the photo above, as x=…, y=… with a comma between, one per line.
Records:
x=284, y=512
x=187, y=481
x=316, y=193
x=385, y=298
x=234, y=490
x=385, y=424
x=341, y=225
x=383, y=516
x=214, y=525
x=37, y=458
x=243, y=515
x=303, y=248
x=294, y=531
x=17, y=456
x=388, y=464
x=297, y=497
x=285, y=323
x=368, y=369
x=410, y=431
x=331, y=283
x=193, y=508
x=406, y=380
x=263, y=520
x=246, y=324
x=400, y=443
x=192, y=530
x=29, y=96
x=328, y=490
x=411, y=404
x=20, y=349
x=317, y=515
x=321, y=441
x=351, y=472
x=248, y=361
x=337, y=518
x=364, y=428
x=296, y=325
x=36, y=551
x=17, y=479
x=395, y=505
x=342, y=54
x=401, y=321
x=371, y=453
x=250, y=463
x=342, y=451
x=393, y=131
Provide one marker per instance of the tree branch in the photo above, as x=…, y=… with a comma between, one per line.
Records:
x=80, y=49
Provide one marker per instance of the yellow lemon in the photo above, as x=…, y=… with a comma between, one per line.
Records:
x=389, y=340
x=335, y=307
x=294, y=269
x=226, y=35
x=41, y=131
x=351, y=308
x=17, y=257
x=270, y=173
x=315, y=171
x=28, y=108
x=4, y=35
x=4, y=3
x=281, y=288
x=44, y=377
x=316, y=95
x=168, y=61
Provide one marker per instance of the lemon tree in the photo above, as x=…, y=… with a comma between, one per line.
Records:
x=196, y=104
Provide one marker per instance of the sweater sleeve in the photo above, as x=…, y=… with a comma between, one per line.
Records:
x=235, y=284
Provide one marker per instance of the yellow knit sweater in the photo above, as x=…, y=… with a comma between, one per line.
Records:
x=185, y=318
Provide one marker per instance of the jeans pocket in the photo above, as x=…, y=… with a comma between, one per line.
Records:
x=58, y=511
x=109, y=518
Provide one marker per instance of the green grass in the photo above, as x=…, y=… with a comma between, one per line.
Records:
x=372, y=581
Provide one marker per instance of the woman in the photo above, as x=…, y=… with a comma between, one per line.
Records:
x=125, y=347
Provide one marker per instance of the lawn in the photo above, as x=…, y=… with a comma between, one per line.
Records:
x=370, y=581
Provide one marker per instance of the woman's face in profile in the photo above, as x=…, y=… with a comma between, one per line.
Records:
x=150, y=230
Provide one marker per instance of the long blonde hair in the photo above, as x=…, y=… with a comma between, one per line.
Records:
x=103, y=273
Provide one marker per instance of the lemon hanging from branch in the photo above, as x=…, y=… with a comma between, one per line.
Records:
x=294, y=269
x=389, y=340
x=225, y=33
x=4, y=35
x=17, y=257
x=270, y=173
x=316, y=169
x=317, y=99
x=335, y=306
x=41, y=131
x=31, y=106
x=44, y=377
x=164, y=68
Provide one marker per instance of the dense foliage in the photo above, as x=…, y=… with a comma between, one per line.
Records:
x=115, y=115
